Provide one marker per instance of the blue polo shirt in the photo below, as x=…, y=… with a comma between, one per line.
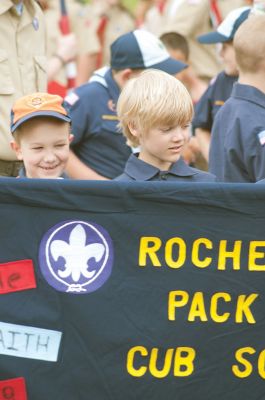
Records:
x=22, y=174
x=97, y=140
x=212, y=100
x=139, y=170
x=237, y=150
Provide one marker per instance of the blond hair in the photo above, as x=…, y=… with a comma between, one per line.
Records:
x=153, y=99
x=249, y=44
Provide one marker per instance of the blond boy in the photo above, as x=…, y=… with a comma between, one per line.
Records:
x=155, y=111
x=41, y=135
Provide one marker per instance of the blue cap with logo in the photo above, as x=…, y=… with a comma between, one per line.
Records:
x=227, y=29
x=141, y=50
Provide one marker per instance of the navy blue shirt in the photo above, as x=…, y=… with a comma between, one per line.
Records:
x=97, y=140
x=212, y=100
x=22, y=174
x=139, y=170
x=237, y=150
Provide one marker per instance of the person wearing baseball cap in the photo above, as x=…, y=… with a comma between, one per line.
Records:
x=221, y=86
x=40, y=128
x=99, y=148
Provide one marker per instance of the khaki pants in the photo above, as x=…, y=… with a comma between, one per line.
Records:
x=10, y=168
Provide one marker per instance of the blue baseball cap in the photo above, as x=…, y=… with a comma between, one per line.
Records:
x=227, y=29
x=141, y=50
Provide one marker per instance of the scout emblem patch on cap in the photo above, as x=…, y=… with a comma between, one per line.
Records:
x=76, y=256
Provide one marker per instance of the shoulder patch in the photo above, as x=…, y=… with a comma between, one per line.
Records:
x=71, y=98
x=213, y=80
x=261, y=136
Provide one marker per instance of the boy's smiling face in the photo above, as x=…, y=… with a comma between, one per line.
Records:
x=43, y=146
x=162, y=147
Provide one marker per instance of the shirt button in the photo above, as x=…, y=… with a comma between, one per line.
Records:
x=163, y=177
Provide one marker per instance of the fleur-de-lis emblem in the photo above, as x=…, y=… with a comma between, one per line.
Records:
x=77, y=254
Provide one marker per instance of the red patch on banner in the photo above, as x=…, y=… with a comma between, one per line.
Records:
x=16, y=276
x=13, y=389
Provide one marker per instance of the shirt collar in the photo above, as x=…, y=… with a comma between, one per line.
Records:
x=114, y=89
x=19, y=8
x=22, y=174
x=249, y=93
x=5, y=5
x=142, y=171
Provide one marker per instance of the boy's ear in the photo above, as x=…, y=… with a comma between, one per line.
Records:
x=133, y=129
x=126, y=74
x=17, y=149
x=71, y=137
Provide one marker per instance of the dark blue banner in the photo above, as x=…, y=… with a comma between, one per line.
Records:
x=113, y=291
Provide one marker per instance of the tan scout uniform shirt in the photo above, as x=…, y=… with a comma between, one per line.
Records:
x=77, y=24
x=119, y=22
x=226, y=6
x=22, y=62
x=154, y=21
x=191, y=18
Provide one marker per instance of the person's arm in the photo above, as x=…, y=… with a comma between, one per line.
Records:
x=86, y=65
x=76, y=169
x=142, y=6
x=66, y=51
x=204, y=137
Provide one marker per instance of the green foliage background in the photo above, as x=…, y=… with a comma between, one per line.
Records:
x=128, y=3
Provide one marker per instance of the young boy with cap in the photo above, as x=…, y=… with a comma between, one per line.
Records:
x=99, y=148
x=41, y=135
x=221, y=86
x=237, y=151
x=155, y=110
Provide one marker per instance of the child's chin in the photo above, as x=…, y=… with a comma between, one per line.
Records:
x=50, y=174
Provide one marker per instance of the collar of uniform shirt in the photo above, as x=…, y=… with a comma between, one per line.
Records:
x=148, y=171
x=19, y=8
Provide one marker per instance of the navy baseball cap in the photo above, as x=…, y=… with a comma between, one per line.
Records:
x=141, y=50
x=227, y=29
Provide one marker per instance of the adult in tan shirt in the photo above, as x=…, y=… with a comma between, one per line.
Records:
x=78, y=26
x=22, y=66
x=192, y=18
x=107, y=20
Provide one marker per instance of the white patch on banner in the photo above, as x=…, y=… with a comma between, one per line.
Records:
x=29, y=342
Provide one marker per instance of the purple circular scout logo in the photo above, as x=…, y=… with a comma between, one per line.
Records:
x=76, y=256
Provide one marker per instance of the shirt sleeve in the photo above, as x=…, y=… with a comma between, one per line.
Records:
x=256, y=161
x=203, y=111
x=77, y=106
